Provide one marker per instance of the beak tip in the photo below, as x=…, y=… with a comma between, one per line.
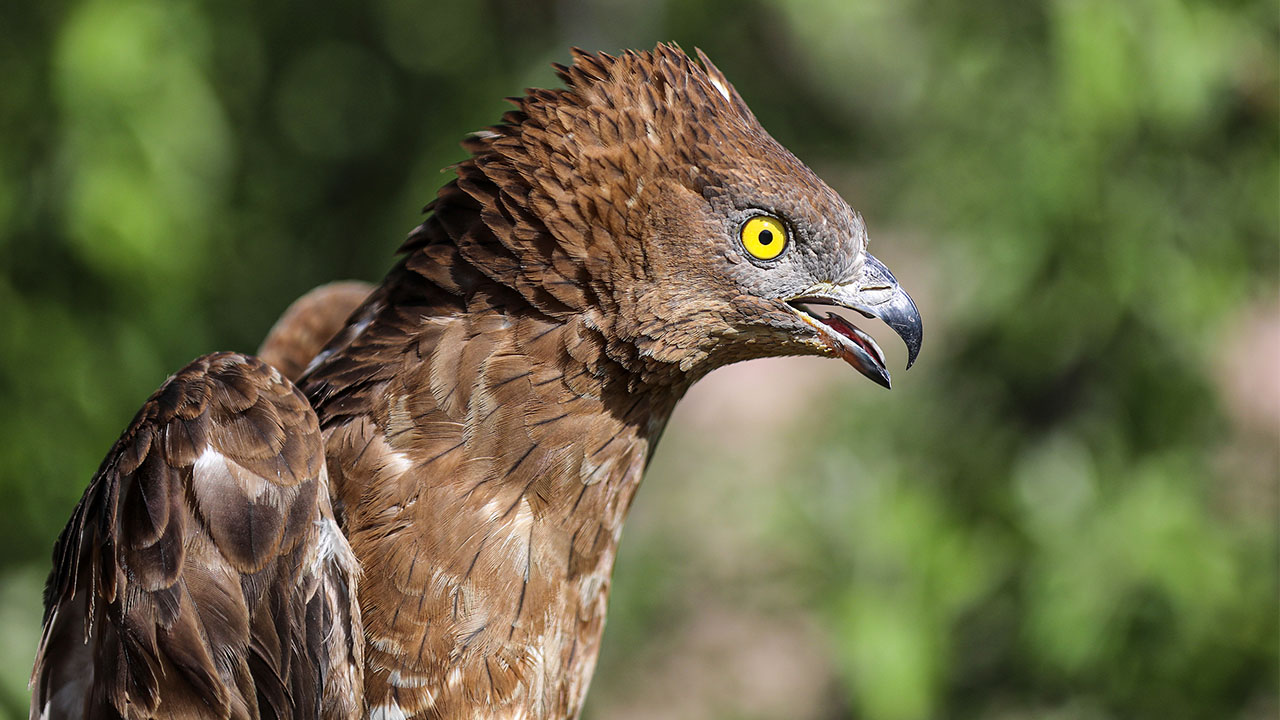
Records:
x=910, y=330
x=913, y=348
x=881, y=378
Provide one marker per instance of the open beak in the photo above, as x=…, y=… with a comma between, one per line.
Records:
x=875, y=293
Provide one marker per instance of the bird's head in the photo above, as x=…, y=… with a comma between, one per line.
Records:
x=647, y=195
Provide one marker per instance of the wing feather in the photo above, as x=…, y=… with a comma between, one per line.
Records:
x=202, y=575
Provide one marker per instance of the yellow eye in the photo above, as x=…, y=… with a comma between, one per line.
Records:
x=764, y=237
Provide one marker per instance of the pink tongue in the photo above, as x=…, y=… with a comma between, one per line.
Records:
x=843, y=327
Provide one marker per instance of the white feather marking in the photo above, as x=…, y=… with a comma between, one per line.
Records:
x=402, y=680
x=315, y=361
x=715, y=82
x=390, y=711
x=332, y=546
x=398, y=463
x=209, y=461
x=387, y=646
x=218, y=468
x=361, y=325
x=493, y=510
x=523, y=519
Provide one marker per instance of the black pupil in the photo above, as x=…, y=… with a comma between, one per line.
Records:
x=766, y=236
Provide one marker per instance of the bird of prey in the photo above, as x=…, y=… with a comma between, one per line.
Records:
x=423, y=523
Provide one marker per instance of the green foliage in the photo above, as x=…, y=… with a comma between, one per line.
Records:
x=1060, y=513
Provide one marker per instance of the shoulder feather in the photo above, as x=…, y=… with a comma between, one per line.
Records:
x=202, y=574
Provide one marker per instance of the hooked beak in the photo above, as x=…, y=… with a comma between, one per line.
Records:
x=875, y=293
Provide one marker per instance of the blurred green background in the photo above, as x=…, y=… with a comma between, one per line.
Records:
x=1067, y=510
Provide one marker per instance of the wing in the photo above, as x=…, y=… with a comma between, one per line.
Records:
x=203, y=575
x=310, y=322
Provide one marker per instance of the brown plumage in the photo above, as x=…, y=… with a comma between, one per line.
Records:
x=202, y=574
x=488, y=411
